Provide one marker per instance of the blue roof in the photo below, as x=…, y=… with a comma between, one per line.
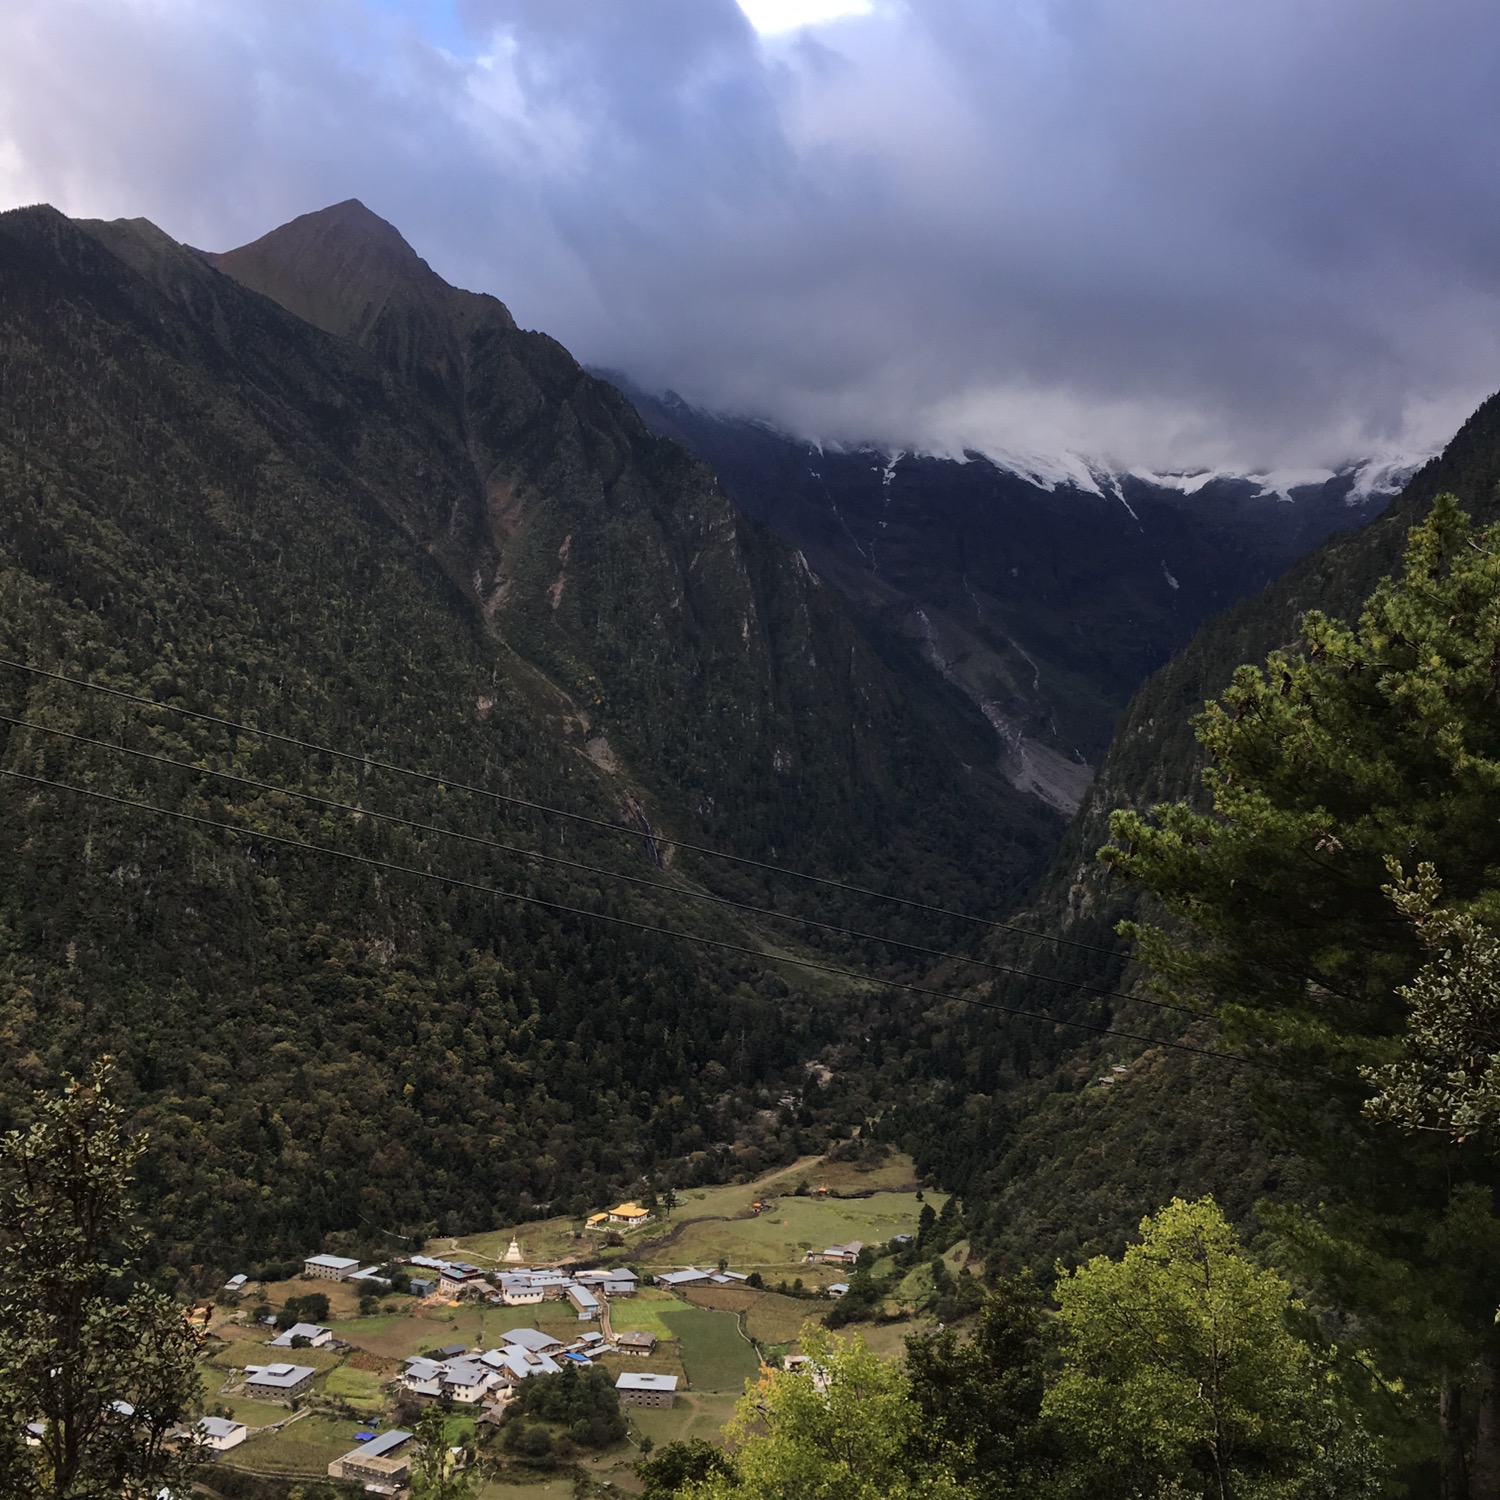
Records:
x=363, y=1437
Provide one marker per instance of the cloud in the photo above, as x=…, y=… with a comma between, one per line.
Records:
x=1149, y=230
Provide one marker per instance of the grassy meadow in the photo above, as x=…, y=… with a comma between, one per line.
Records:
x=716, y=1355
x=777, y=1241
x=546, y=1241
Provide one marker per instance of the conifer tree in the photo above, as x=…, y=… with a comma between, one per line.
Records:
x=980, y=1397
x=1447, y=1078
x=1362, y=746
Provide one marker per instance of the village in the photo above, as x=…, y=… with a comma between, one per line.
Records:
x=356, y=1350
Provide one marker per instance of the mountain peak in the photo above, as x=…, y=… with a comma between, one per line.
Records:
x=349, y=272
x=351, y=227
x=339, y=268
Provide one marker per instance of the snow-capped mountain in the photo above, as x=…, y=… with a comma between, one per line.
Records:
x=1042, y=588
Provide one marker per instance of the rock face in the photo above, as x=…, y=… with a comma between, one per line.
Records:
x=1044, y=600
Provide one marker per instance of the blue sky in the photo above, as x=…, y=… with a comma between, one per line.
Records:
x=1159, y=232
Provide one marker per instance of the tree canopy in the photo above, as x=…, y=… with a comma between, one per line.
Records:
x=1366, y=748
x=1180, y=1369
x=100, y=1371
x=840, y=1428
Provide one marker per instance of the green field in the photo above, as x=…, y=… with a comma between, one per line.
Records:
x=698, y=1414
x=777, y=1241
x=306, y=1447
x=236, y=1356
x=715, y=1354
x=358, y=1331
x=767, y=1317
x=542, y=1489
x=644, y=1312
x=251, y=1413
x=360, y=1388
x=401, y=1336
x=549, y=1240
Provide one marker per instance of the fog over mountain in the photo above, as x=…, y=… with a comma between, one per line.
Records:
x=1161, y=235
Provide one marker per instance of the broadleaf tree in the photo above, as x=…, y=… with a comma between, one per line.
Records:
x=98, y=1371
x=437, y=1473
x=1181, y=1375
x=840, y=1428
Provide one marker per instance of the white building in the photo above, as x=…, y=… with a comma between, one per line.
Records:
x=688, y=1276
x=467, y=1380
x=532, y=1339
x=620, y=1282
x=316, y=1336
x=514, y=1362
x=220, y=1434
x=584, y=1301
x=518, y=1290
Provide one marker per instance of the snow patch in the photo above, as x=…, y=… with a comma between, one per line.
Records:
x=1049, y=473
x=1385, y=476
x=1189, y=482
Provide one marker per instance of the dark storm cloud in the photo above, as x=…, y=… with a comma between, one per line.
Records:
x=1153, y=230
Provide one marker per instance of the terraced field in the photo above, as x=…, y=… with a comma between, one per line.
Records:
x=307, y=1447
x=362, y=1389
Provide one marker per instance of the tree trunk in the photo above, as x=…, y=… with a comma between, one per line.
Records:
x=1453, y=1481
x=1484, y=1471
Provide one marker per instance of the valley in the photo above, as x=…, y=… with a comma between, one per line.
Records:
x=456, y=805
x=1044, y=595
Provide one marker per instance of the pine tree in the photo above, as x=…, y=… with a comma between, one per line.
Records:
x=1366, y=745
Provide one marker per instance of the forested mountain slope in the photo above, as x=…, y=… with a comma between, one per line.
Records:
x=1044, y=599
x=1068, y=1165
x=439, y=544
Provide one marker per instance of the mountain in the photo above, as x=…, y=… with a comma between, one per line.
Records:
x=1044, y=592
x=1065, y=1165
x=308, y=489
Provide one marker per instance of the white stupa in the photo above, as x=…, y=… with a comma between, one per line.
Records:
x=513, y=1255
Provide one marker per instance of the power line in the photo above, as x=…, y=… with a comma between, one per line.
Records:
x=573, y=864
x=555, y=812
x=627, y=922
